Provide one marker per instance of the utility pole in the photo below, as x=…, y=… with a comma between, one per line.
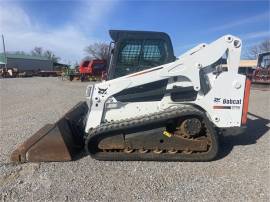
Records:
x=4, y=47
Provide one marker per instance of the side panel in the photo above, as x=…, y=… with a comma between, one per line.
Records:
x=224, y=102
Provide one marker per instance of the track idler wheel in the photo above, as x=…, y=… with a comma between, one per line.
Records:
x=128, y=150
x=172, y=151
x=143, y=151
x=158, y=151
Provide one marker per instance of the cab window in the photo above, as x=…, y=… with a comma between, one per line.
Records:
x=265, y=61
x=99, y=66
x=137, y=55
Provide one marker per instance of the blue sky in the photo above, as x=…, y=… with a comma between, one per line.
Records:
x=66, y=27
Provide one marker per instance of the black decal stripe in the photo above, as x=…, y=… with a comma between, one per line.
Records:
x=153, y=91
x=221, y=107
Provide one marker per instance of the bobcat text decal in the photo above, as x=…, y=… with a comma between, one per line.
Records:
x=227, y=103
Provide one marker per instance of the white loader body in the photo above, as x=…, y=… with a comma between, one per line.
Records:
x=222, y=100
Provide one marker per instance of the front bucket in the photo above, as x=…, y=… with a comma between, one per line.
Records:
x=61, y=141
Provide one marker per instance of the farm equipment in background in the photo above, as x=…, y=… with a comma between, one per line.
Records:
x=44, y=73
x=14, y=72
x=92, y=69
x=72, y=74
x=153, y=106
x=261, y=75
x=9, y=72
x=89, y=70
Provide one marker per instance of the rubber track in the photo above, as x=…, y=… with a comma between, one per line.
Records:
x=116, y=127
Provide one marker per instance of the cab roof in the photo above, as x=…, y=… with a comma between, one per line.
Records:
x=116, y=35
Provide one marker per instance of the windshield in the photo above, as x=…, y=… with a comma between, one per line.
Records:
x=137, y=55
x=99, y=66
x=265, y=61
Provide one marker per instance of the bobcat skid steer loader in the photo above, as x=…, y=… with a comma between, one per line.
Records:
x=153, y=105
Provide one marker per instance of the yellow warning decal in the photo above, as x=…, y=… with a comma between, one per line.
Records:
x=166, y=133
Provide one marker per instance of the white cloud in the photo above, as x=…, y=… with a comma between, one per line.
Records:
x=243, y=21
x=92, y=13
x=255, y=35
x=13, y=18
x=23, y=33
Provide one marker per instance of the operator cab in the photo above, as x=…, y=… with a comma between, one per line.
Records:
x=264, y=60
x=134, y=51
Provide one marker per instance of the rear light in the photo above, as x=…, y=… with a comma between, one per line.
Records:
x=246, y=101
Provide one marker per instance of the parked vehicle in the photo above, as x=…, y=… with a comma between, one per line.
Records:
x=9, y=72
x=72, y=74
x=92, y=69
x=152, y=107
x=262, y=72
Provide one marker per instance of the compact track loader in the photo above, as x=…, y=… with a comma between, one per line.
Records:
x=153, y=106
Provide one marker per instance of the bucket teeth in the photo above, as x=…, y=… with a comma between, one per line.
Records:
x=61, y=141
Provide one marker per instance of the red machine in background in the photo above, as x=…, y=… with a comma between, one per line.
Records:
x=262, y=72
x=92, y=70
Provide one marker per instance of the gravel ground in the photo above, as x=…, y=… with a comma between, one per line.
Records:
x=241, y=173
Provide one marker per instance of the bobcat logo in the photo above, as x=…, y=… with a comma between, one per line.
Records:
x=102, y=91
x=216, y=99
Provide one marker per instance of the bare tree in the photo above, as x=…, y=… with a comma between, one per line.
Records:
x=50, y=55
x=37, y=51
x=98, y=51
x=87, y=58
x=264, y=46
